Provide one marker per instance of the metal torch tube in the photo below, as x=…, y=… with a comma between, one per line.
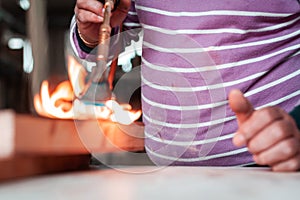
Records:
x=100, y=73
x=104, y=41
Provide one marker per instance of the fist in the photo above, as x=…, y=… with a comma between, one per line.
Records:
x=89, y=16
x=270, y=134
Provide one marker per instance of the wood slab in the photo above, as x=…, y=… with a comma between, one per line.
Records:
x=42, y=136
x=33, y=145
x=20, y=166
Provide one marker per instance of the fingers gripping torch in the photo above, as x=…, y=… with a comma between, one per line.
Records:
x=97, y=89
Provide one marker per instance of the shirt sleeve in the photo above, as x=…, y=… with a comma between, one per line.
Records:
x=74, y=41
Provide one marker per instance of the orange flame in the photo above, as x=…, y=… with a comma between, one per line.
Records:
x=62, y=104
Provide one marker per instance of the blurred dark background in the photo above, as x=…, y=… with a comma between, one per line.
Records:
x=15, y=84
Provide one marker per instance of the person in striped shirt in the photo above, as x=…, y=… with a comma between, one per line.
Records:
x=194, y=53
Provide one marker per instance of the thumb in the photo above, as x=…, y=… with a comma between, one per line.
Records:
x=240, y=105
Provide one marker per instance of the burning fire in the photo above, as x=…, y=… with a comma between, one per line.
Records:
x=62, y=104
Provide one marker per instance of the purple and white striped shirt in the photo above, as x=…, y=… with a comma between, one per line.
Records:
x=194, y=53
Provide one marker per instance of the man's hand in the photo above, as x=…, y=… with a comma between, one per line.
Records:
x=89, y=15
x=270, y=134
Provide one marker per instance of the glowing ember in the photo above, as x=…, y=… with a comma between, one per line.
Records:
x=62, y=104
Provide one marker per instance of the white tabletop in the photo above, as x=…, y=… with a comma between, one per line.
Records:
x=158, y=183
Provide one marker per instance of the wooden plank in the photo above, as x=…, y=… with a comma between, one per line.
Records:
x=43, y=136
x=34, y=145
x=7, y=134
x=20, y=166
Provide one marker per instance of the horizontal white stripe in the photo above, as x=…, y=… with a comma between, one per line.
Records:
x=219, y=48
x=216, y=139
x=211, y=13
x=296, y=54
x=222, y=66
x=217, y=31
x=194, y=125
x=184, y=108
x=271, y=84
x=218, y=121
x=188, y=143
x=132, y=13
x=131, y=24
x=216, y=104
x=201, y=88
x=278, y=101
x=229, y=153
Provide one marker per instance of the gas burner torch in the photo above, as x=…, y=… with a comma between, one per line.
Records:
x=97, y=90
